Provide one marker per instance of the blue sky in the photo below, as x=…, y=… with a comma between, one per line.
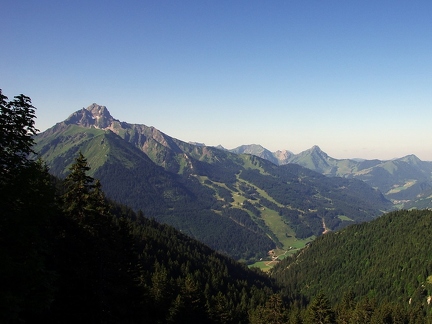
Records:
x=353, y=77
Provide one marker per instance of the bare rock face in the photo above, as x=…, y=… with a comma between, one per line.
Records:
x=93, y=116
x=100, y=115
x=81, y=117
x=283, y=156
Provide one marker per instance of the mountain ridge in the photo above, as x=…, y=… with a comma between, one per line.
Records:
x=407, y=181
x=237, y=203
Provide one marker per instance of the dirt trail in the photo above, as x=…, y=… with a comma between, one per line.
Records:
x=326, y=230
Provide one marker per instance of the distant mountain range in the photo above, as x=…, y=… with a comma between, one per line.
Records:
x=240, y=204
x=406, y=181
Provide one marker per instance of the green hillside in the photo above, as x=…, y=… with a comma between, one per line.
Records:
x=388, y=259
x=69, y=255
x=406, y=181
x=238, y=204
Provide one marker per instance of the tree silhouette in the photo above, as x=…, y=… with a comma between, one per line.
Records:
x=27, y=202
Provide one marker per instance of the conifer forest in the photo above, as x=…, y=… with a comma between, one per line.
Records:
x=69, y=254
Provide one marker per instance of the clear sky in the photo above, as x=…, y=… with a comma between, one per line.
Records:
x=353, y=77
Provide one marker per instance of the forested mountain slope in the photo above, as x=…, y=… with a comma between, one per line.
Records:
x=240, y=205
x=69, y=255
x=388, y=259
x=130, y=177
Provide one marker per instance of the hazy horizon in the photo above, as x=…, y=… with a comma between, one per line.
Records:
x=353, y=78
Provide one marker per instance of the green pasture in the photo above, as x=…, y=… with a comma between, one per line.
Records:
x=345, y=218
x=402, y=187
x=263, y=265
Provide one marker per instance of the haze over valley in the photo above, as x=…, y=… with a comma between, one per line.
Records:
x=284, y=199
x=216, y=162
x=315, y=235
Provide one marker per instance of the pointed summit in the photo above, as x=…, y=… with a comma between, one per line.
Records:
x=316, y=150
x=314, y=159
x=101, y=116
x=98, y=110
x=92, y=116
x=411, y=159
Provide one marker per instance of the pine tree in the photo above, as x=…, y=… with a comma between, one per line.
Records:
x=221, y=310
x=27, y=203
x=272, y=312
x=96, y=255
x=346, y=308
x=363, y=311
x=319, y=311
x=16, y=134
x=77, y=200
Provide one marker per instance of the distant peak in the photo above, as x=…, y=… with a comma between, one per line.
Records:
x=249, y=149
x=197, y=144
x=99, y=111
x=101, y=116
x=313, y=150
x=92, y=116
x=412, y=156
x=220, y=147
x=411, y=159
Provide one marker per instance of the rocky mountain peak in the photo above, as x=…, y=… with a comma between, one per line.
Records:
x=283, y=156
x=98, y=110
x=92, y=116
x=101, y=116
